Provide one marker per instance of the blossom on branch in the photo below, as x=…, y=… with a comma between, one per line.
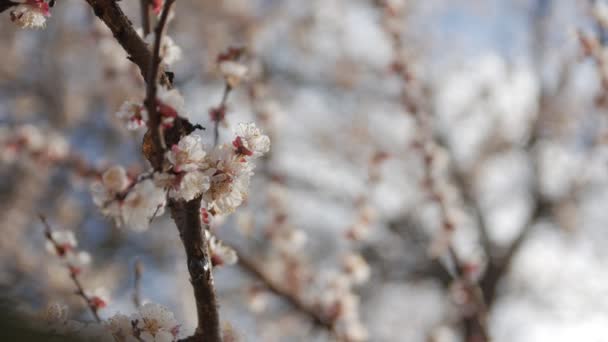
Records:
x=128, y=203
x=30, y=13
x=134, y=114
x=220, y=254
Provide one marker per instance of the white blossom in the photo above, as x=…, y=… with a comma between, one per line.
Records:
x=356, y=268
x=250, y=141
x=57, y=147
x=55, y=313
x=188, y=154
x=134, y=114
x=233, y=72
x=600, y=11
x=169, y=51
x=190, y=185
x=115, y=179
x=121, y=328
x=31, y=137
x=220, y=253
x=143, y=202
x=30, y=14
x=230, y=181
x=65, y=241
x=171, y=104
x=156, y=323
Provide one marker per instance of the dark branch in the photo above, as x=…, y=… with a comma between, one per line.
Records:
x=145, y=17
x=6, y=4
x=187, y=218
x=154, y=123
x=139, y=53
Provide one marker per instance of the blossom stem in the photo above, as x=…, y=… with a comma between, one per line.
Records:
x=137, y=272
x=221, y=107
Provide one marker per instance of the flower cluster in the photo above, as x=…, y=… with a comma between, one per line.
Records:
x=169, y=103
x=129, y=202
x=63, y=244
x=30, y=13
x=333, y=294
x=221, y=176
x=28, y=140
x=229, y=66
x=169, y=51
x=152, y=323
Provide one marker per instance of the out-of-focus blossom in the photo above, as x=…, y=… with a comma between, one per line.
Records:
x=131, y=206
x=356, y=268
x=115, y=179
x=64, y=242
x=169, y=51
x=233, y=72
x=98, y=298
x=134, y=114
x=600, y=11
x=170, y=104
x=220, y=254
x=143, y=202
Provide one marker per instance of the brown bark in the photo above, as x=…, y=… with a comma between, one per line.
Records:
x=187, y=218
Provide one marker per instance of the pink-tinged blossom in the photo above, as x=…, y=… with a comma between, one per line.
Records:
x=143, y=202
x=229, y=182
x=133, y=114
x=156, y=323
x=30, y=13
x=250, y=141
x=62, y=243
x=121, y=328
x=190, y=185
x=130, y=205
x=187, y=155
x=220, y=254
x=170, y=104
x=98, y=298
x=115, y=179
x=157, y=6
x=233, y=72
x=169, y=51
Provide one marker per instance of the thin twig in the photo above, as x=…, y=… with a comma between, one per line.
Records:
x=284, y=293
x=426, y=141
x=220, y=117
x=48, y=232
x=145, y=16
x=154, y=123
x=139, y=53
x=137, y=272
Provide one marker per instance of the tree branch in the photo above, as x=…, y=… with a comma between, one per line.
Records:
x=139, y=53
x=251, y=268
x=6, y=4
x=185, y=214
x=187, y=218
x=145, y=17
